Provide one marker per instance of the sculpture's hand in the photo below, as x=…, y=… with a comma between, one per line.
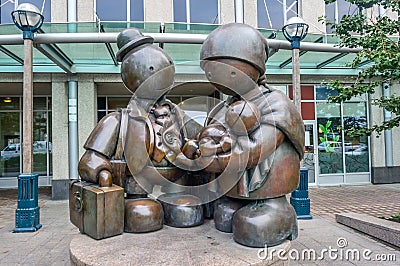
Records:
x=96, y=168
x=191, y=149
x=214, y=152
x=105, y=178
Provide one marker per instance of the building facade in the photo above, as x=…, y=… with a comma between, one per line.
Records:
x=333, y=157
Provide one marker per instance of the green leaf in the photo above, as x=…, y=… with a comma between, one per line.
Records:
x=328, y=124
x=378, y=38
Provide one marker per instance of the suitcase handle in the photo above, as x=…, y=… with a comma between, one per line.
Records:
x=78, y=201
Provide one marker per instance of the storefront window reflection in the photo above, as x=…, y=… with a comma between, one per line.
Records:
x=323, y=92
x=356, y=152
x=106, y=105
x=339, y=152
x=10, y=136
x=329, y=138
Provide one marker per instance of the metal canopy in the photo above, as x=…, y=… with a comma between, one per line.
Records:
x=87, y=48
x=288, y=61
x=330, y=60
x=11, y=54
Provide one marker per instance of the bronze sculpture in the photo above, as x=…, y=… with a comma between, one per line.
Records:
x=273, y=131
x=137, y=144
x=251, y=144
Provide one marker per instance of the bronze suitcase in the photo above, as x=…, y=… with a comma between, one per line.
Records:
x=97, y=211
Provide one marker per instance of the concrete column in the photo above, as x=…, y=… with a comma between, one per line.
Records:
x=85, y=11
x=59, y=11
x=379, y=172
x=59, y=97
x=251, y=13
x=227, y=11
x=156, y=10
x=310, y=11
x=87, y=106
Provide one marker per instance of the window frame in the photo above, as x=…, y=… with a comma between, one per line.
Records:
x=127, y=14
x=188, y=17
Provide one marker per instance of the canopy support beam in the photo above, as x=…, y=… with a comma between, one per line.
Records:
x=12, y=55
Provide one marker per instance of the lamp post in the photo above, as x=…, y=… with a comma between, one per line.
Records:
x=295, y=31
x=27, y=216
x=28, y=19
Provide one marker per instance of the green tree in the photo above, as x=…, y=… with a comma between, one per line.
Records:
x=378, y=36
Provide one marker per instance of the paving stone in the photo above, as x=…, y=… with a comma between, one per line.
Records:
x=51, y=243
x=385, y=230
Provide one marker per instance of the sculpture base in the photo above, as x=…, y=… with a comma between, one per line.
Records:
x=201, y=245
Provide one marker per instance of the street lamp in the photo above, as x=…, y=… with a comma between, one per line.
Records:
x=295, y=31
x=28, y=18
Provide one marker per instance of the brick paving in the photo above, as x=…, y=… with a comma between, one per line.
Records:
x=8, y=203
x=47, y=246
x=50, y=245
x=375, y=200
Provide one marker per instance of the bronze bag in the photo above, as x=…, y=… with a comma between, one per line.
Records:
x=96, y=211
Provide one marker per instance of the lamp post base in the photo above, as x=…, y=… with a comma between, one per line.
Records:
x=27, y=229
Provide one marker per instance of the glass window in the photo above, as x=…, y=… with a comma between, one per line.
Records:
x=272, y=13
x=40, y=143
x=137, y=10
x=322, y=92
x=179, y=10
x=10, y=144
x=356, y=148
x=5, y=11
x=10, y=122
x=9, y=103
x=101, y=103
x=335, y=11
x=100, y=115
x=46, y=12
x=39, y=103
x=107, y=105
x=345, y=8
x=205, y=11
x=329, y=138
x=115, y=103
x=111, y=10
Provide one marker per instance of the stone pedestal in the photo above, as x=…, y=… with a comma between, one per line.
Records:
x=201, y=245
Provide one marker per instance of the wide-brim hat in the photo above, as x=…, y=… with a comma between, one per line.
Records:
x=129, y=39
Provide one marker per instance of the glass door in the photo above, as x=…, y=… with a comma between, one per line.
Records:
x=41, y=138
x=310, y=151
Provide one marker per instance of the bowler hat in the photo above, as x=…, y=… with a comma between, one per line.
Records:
x=129, y=39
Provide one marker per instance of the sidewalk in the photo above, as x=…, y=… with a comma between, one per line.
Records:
x=50, y=245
